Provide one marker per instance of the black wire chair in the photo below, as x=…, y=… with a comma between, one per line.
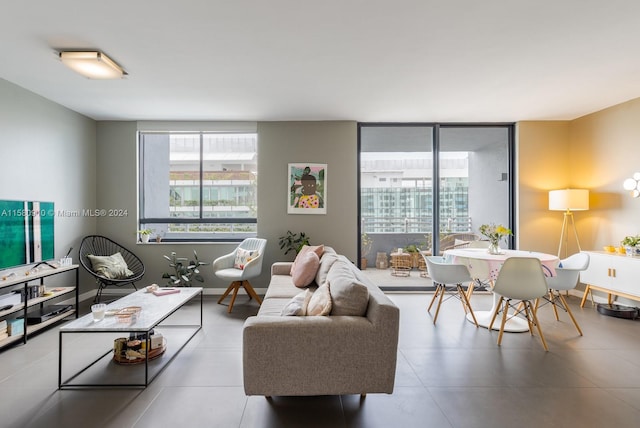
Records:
x=101, y=246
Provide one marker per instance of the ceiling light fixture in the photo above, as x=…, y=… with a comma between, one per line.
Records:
x=92, y=64
x=633, y=185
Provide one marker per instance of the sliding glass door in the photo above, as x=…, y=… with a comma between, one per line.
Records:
x=400, y=208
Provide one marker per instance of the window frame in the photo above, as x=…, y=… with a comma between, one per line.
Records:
x=209, y=237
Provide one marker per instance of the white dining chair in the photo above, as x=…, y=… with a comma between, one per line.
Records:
x=566, y=278
x=448, y=279
x=520, y=281
x=479, y=270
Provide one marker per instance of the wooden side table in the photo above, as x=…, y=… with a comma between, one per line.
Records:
x=401, y=264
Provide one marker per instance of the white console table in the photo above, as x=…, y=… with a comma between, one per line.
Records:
x=614, y=274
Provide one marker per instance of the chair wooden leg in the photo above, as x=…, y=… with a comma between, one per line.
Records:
x=227, y=291
x=433, y=299
x=552, y=297
x=495, y=313
x=251, y=292
x=235, y=294
x=535, y=320
x=564, y=302
x=505, y=309
x=435, y=318
x=467, y=305
x=528, y=309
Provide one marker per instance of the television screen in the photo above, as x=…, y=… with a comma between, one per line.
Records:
x=26, y=232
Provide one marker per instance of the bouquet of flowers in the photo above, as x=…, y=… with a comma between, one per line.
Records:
x=494, y=232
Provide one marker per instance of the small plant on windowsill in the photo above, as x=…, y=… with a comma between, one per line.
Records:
x=184, y=270
x=145, y=234
x=293, y=242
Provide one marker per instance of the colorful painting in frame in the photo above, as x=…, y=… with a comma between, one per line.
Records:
x=307, y=188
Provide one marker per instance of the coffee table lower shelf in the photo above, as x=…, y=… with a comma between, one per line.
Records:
x=88, y=348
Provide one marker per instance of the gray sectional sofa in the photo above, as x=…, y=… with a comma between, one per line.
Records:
x=320, y=355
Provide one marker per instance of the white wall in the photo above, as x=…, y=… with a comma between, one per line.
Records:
x=48, y=153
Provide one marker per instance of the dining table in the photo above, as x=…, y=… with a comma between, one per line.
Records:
x=494, y=262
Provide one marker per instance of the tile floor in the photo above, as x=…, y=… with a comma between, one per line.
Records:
x=449, y=375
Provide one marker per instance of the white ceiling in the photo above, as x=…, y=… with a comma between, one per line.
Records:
x=364, y=60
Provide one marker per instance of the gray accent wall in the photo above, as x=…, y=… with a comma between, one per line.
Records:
x=279, y=143
x=48, y=153
x=332, y=143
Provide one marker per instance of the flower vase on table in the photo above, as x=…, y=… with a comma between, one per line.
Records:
x=494, y=234
x=494, y=247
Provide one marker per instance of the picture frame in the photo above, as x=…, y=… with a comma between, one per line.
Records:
x=307, y=188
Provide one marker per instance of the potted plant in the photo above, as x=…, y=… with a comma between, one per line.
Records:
x=184, y=270
x=145, y=234
x=414, y=252
x=631, y=245
x=293, y=242
x=365, y=247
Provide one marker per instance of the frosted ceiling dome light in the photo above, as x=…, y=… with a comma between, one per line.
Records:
x=92, y=64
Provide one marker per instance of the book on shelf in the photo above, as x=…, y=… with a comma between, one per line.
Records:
x=166, y=290
x=4, y=335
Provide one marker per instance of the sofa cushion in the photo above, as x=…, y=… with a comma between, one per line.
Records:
x=318, y=249
x=273, y=307
x=305, y=269
x=281, y=286
x=320, y=302
x=327, y=260
x=349, y=295
x=297, y=306
x=112, y=267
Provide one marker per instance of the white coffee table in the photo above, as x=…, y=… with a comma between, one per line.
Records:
x=102, y=371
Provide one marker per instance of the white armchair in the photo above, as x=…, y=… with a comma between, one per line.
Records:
x=223, y=268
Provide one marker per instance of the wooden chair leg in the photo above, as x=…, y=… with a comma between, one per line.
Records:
x=236, y=287
x=564, y=302
x=433, y=299
x=227, y=291
x=435, y=318
x=251, y=291
x=467, y=304
x=552, y=297
x=505, y=309
x=535, y=320
x=495, y=313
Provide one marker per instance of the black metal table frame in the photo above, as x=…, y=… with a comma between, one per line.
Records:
x=67, y=385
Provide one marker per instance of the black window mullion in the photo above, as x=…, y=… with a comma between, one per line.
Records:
x=201, y=175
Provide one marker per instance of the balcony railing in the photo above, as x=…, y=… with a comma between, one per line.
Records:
x=414, y=224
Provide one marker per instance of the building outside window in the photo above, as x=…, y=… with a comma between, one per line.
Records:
x=198, y=186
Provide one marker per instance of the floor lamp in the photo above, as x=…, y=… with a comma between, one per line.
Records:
x=568, y=200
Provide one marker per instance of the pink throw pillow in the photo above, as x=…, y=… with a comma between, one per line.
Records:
x=305, y=269
x=318, y=249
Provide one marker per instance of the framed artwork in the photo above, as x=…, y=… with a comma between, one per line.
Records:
x=307, y=188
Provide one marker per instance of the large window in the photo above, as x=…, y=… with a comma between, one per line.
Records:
x=198, y=186
x=424, y=186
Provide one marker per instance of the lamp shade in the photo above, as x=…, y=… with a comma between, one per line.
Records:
x=569, y=199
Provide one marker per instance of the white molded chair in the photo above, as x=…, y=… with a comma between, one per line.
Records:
x=479, y=269
x=223, y=268
x=521, y=280
x=443, y=273
x=566, y=279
